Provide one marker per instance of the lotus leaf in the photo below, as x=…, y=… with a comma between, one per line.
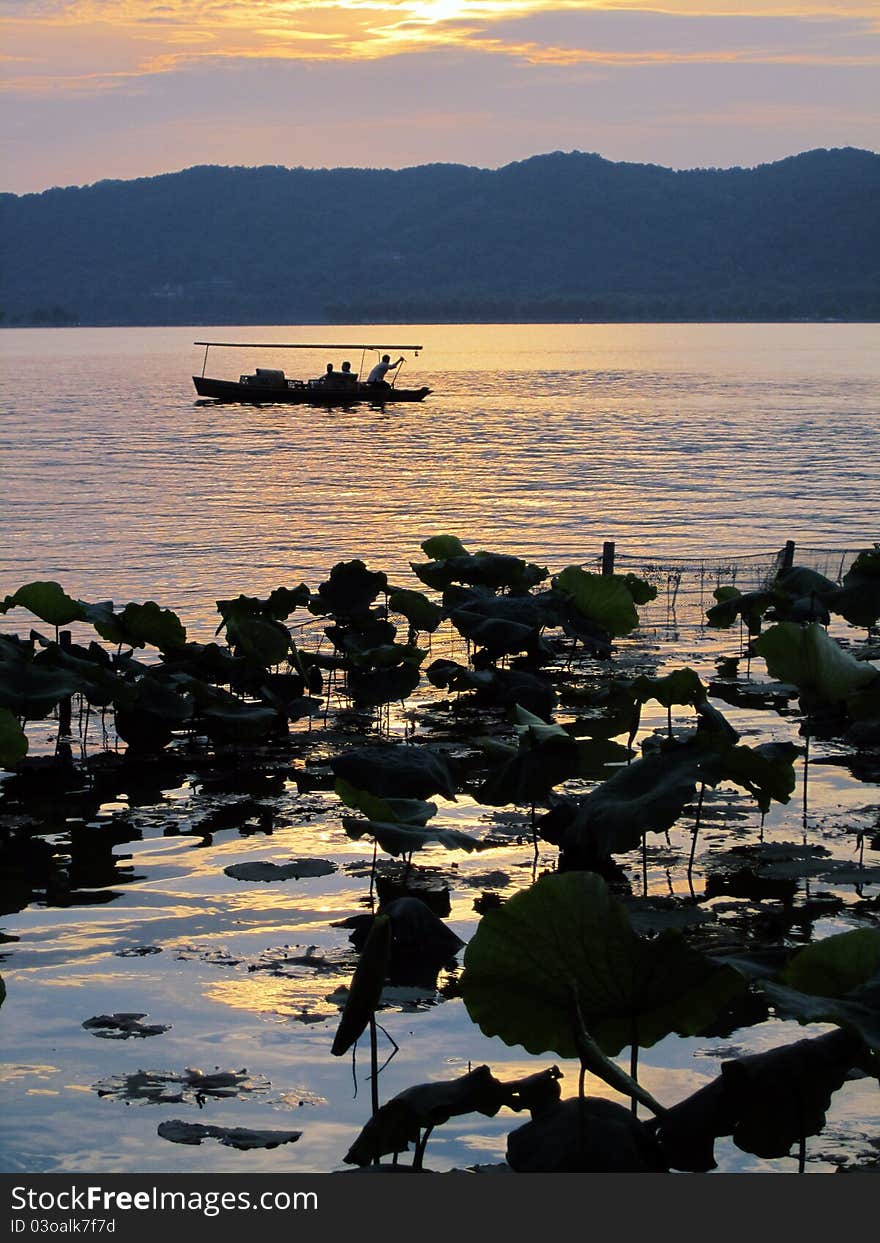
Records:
x=567, y=943
x=141, y=624
x=801, y=581
x=393, y=810
x=589, y=1136
x=835, y=965
x=732, y=603
x=603, y=599
x=403, y=839
x=366, y=986
x=13, y=740
x=258, y=639
x=419, y=611
x=487, y=569
x=277, y=607
x=48, y=601
x=349, y=591
x=441, y=547
x=782, y=1095
x=398, y=1123
x=30, y=691
x=396, y=771
x=371, y=687
x=647, y=796
x=858, y=599
x=766, y=771
x=808, y=657
x=682, y=686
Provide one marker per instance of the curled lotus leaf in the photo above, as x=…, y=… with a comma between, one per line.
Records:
x=566, y=944
x=682, y=686
x=766, y=771
x=392, y=810
x=258, y=639
x=278, y=606
x=817, y=665
x=419, y=611
x=371, y=687
x=365, y=991
x=403, y=839
x=732, y=603
x=48, y=601
x=486, y=569
x=13, y=740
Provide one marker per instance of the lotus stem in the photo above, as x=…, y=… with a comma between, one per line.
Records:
x=374, y=1066
x=696, y=829
x=634, y=1067
x=421, y=1145
x=806, y=776
x=644, y=865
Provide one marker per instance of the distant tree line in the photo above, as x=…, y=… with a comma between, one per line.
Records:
x=554, y=238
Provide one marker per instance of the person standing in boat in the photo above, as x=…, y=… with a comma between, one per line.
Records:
x=381, y=369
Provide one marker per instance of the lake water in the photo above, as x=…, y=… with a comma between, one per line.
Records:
x=545, y=440
x=671, y=440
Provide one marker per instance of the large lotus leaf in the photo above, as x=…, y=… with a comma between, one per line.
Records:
x=647, y=796
x=567, y=943
x=603, y=599
x=809, y=658
x=152, y=695
x=835, y=965
x=766, y=771
x=30, y=691
x=396, y=771
x=13, y=740
x=366, y=986
x=349, y=591
x=441, y=547
x=682, y=686
x=403, y=839
x=419, y=611
x=138, y=625
x=49, y=602
x=596, y=639
x=533, y=729
x=399, y=1121
x=370, y=630
x=783, y=1094
x=371, y=687
x=392, y=810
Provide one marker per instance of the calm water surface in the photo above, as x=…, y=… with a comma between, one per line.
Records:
x=539, y=440
x=545, y=440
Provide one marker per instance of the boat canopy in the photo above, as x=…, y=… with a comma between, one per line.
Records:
x=308, y=345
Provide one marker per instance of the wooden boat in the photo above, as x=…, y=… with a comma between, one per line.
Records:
x=269, y=386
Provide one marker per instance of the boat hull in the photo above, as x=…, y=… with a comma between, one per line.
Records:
x=259, y=395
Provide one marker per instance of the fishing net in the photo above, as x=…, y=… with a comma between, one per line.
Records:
x=685, y=585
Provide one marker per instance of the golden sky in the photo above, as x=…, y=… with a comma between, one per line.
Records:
x=478, y=81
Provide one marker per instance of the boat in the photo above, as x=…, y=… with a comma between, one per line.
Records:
x=269, y=386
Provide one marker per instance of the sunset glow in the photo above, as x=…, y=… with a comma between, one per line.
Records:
x=475, y=80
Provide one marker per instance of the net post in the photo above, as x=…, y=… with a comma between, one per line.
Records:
x=787, y=556
x=608, y=557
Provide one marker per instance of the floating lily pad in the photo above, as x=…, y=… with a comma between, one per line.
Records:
x=231, y=1137
x=265, y=870
x=123, y=1025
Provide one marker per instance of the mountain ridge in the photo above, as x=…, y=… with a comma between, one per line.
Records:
x=556, y=236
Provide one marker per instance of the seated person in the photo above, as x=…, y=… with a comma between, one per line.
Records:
x=347, y=376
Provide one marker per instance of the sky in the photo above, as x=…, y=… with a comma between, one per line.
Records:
x=98, y=89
